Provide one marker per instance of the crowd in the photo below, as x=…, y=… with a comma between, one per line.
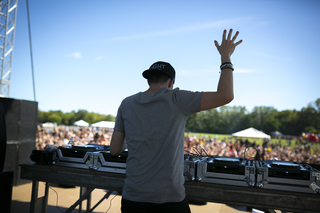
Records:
x=301, y=153
x=206, y=146
x=60, y=136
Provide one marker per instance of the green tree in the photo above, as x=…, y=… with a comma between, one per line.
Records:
x=42, y=116
x=317, y=104
x=109, y=118
x=55, y=118
x=260, y=115
x=93, y=117
x=310, y=129
x=224, y=120
x=271, y=124
x=309, y=117
x=68, y=118
x=288, y=122
x=191, y=123
x=81, y=115
x=234, y=115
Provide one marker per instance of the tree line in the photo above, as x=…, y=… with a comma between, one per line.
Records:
x=222, y=120
x=227, y=120
x=70, y=117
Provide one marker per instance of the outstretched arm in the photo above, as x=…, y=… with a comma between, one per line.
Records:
x=224, y=94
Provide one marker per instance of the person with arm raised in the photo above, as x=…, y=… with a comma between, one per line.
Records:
x=150, y=125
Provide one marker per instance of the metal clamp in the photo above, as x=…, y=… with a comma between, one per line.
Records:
x=315, y=188
x=96, y=164
x=249, y=181
x=317, y=174
x=261, y=184
x=71, y=142
x=93, y=163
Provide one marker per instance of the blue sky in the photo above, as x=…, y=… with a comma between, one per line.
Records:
x=90, y=54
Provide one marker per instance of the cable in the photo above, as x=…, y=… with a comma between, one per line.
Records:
x=34, y=90
x=203, y=150
x=258, y=157
x=110, y=202
x=57, y=204
x=195, y=149
x=186, y=152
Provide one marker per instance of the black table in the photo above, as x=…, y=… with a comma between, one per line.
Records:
x=204, y=192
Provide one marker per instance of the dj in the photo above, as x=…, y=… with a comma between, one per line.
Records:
x=151, y=125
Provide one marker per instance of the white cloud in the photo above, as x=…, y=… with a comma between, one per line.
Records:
x=75, y=55
x=99, y=58
x=175, y=31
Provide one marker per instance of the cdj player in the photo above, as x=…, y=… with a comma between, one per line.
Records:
x=288, y=176
x=76, y=155
x=91, y=156
x=227, y=170
x=104, y=161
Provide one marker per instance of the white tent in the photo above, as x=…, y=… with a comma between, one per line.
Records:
x=49, y=124
x=80, y=123
x=104, y=124
x=276, y=133
x=251, y=133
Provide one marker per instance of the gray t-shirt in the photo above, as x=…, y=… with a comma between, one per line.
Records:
x=153, y=125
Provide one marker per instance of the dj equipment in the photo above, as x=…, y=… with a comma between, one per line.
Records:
x=75, y=155
x=43, y=157
x=288, y=176
x=227, y=170
x=269, y=174
x=91, y=156
x=190, y=166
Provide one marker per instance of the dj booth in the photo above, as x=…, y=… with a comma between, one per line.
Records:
x=268, y=185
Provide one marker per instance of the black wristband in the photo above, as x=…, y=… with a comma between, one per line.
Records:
x=227, y=65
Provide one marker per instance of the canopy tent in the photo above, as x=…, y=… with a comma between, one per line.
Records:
x=251, y=133
x=80, y=123
x=276, y=133
x=49, y=124
x=104, y=124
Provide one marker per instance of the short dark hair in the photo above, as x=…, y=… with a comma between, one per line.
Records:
x=154, y=79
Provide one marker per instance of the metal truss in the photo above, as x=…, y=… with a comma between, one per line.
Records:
x=8, y=11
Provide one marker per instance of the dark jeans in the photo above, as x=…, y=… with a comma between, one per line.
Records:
x=128, y=206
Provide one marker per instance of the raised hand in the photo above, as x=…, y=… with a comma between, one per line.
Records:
x=227, y=46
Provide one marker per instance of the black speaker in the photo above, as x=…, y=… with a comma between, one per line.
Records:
x=21, y=127
x=3, y=137
x=6, y=184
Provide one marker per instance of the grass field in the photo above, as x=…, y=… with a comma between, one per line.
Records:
x=229, y=138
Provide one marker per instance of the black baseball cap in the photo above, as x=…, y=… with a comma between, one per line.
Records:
x=160, y=67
